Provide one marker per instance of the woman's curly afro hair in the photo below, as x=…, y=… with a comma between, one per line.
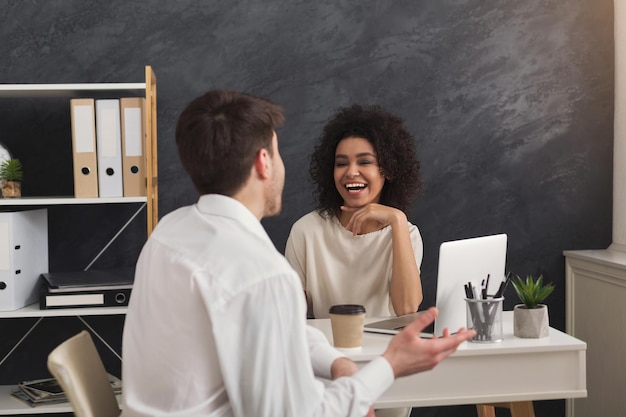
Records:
x=394, y=147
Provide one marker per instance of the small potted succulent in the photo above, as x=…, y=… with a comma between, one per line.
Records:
x=530, y=319
x=11, y=175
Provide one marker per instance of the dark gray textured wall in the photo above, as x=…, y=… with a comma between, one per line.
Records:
x=511, y=104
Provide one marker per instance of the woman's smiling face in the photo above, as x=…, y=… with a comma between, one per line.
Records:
x=358, y=177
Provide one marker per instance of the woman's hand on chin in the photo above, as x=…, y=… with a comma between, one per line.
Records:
x=372, y=217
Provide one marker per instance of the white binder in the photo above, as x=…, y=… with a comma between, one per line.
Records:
x=109, y=148
x=23, y=256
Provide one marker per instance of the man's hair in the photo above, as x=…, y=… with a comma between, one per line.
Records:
x=219, y=135
x=395, y=151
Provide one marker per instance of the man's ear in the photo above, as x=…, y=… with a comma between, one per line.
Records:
x=262, y=164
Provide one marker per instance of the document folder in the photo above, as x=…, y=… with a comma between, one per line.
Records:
x=109, y=148
x=84, y=147
x=133, y=158
x=90, y=279
x=23, y=256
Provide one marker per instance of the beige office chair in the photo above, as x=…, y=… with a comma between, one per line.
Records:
x=78, y=368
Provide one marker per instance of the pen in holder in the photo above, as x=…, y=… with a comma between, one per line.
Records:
x=485, y=317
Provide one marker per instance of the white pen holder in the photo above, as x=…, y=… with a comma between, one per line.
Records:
x=485, y=317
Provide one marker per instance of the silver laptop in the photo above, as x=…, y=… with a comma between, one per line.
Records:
x=460, y=262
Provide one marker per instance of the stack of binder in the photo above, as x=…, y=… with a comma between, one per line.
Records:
x=108, y=147
x=91, y=288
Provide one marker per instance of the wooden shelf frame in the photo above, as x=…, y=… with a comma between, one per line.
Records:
x=152, y=180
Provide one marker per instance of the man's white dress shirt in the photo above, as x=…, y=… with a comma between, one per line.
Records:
x=216, y=327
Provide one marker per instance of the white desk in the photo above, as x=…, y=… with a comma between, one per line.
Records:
x=512, y=370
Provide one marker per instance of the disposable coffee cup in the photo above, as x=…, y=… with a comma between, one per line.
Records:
x=347, y=323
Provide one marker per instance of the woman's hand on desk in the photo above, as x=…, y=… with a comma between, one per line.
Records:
x=409, y=354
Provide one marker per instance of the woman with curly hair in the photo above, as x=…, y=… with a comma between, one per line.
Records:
x=358, y=246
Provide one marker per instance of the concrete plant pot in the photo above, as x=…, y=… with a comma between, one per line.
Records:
x=530, y=323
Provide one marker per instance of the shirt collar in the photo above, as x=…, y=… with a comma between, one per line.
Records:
x=224, y=206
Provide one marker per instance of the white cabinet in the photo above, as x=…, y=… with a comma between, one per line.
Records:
x=147, y=89
x=596, y=313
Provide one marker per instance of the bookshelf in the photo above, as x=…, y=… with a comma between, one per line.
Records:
x=147, y=89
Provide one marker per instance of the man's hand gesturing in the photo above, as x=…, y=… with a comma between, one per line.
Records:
x=409, y=354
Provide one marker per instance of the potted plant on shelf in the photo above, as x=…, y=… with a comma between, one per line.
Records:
x=11, y=176
x=530, y=319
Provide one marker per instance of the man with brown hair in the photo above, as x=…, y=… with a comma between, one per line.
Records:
x=216, y=322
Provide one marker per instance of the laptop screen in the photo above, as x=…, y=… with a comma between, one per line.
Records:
x=463, y=261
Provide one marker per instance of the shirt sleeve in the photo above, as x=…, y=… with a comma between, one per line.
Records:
x=322, y=353
x=267, y=355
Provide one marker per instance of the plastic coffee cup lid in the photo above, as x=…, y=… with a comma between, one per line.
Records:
x=347, y=309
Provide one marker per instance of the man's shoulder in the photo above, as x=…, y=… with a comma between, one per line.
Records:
x=225, y=279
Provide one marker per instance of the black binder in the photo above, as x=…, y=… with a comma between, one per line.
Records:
x=91, y=288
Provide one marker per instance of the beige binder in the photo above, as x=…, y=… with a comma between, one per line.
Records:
x=84, y=147
x=133, y=158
